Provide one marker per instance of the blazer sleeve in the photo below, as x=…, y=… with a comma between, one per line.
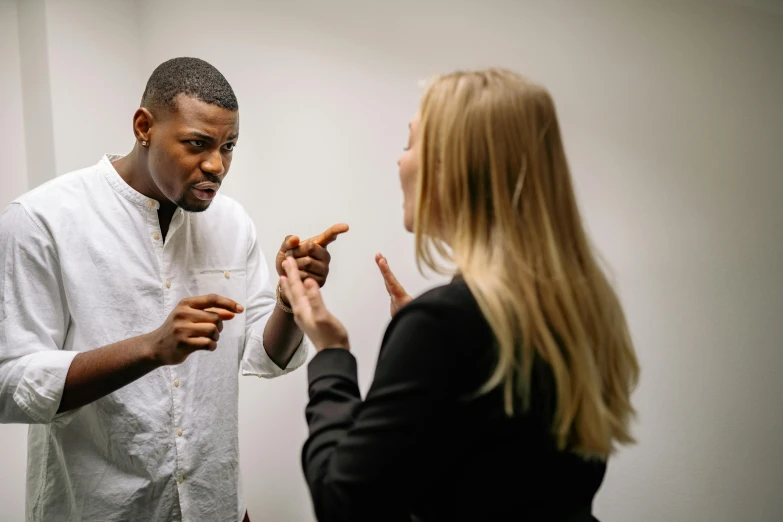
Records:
x=368, y=460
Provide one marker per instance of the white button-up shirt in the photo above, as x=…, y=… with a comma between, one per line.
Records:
x=82, y=265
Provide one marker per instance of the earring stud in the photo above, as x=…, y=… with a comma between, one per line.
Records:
x=144, y=143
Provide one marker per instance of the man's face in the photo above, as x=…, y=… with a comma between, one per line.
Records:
x=190, y=151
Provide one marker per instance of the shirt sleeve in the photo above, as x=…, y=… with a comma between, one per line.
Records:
x=261, y=302
x=34, y=320
x=367, y=460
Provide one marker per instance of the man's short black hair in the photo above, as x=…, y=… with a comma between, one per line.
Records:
x=191, y=77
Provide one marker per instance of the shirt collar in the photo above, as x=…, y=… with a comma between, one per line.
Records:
x=122, y=188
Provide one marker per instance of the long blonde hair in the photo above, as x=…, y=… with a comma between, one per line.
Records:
x=495, y=198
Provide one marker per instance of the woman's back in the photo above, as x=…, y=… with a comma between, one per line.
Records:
x=480, y=463
x=422, y=445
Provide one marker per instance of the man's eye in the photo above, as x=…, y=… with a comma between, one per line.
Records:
x=196, y=143
x=230, y=146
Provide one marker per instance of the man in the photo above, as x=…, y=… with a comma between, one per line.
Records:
x=131, y=294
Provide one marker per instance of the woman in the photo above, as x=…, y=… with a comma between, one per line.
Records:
x=499, y=396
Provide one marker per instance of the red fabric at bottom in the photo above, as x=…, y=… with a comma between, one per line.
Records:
x=247, y=518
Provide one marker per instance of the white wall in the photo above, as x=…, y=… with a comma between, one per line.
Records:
x=13, y=182
x=96, y=82
x=672, y=119
x=14, y=177
x=36, y=99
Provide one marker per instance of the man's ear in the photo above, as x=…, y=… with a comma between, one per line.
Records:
x=142, y=125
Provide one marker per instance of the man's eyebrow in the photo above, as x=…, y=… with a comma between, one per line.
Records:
x=207, y=137
x=201, y=136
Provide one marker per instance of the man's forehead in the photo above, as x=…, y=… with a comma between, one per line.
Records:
x=192, y=111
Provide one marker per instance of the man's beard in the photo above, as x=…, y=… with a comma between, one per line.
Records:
x=187, y=207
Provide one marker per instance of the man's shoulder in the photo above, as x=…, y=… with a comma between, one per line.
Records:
x=58, y=196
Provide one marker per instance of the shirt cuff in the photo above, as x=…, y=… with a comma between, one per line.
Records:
x=257, y=362
x=40, y=389
x=332, y=362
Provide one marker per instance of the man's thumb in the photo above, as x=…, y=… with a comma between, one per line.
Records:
x=290, y=243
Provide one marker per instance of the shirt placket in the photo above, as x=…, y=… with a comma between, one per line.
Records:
x=163, y=253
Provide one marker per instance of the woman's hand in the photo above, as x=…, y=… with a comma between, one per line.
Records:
x=399, y=297
x=310, y=313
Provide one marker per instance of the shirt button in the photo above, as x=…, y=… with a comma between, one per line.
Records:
x=168, y=284
x=176, y=383
x=151, y=203
x=227, y=274
x=179, y=432
x=181, y=479
x=155, y=236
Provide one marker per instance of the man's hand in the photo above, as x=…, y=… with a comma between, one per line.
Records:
x=399, y=297
x=312, y=258
x=310, y=261
x=195, y=324
x=310, y=313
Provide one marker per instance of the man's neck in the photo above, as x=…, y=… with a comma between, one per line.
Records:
x=136, y=175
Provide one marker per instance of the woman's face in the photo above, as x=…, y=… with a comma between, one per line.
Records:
x=409, y=172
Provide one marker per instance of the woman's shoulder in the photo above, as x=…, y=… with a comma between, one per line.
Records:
x=442, y=330
x=453, y=297
x=454, y=292
x=451, y=305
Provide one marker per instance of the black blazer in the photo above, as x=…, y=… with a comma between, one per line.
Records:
x=420, y=447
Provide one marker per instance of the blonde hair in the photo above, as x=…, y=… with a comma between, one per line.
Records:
x=495, y=198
